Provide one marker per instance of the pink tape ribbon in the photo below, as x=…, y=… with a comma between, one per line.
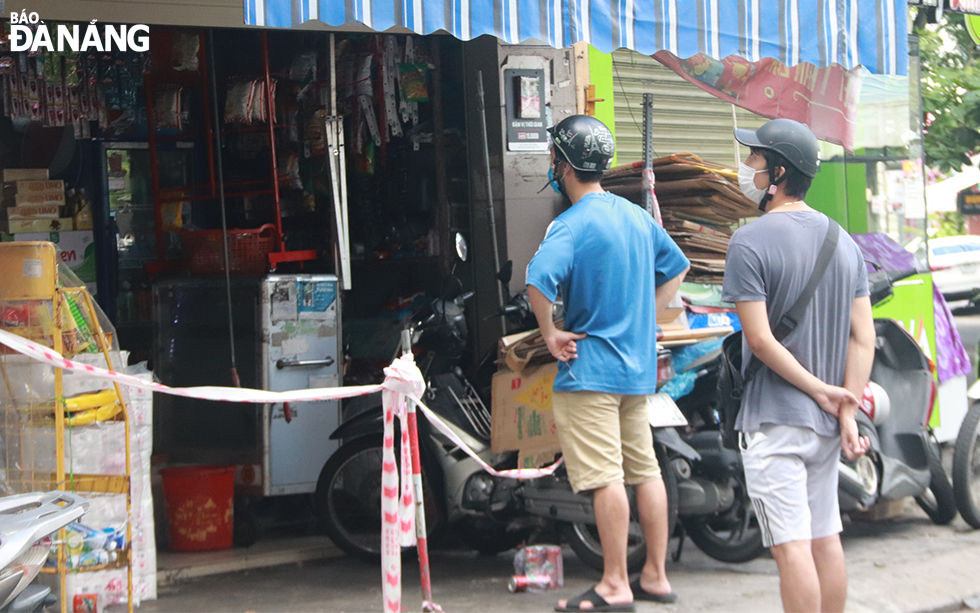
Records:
x=403, y=382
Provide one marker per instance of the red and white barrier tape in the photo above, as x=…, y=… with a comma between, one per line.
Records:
x=403, y=384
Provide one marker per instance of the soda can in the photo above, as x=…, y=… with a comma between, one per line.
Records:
x=528, y=583
x=557, y=563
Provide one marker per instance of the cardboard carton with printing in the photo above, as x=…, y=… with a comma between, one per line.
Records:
x=522, y=416
x=57, y=198
x=24, y=174
x=33, y=211
x=18, y=226
x=40, y=187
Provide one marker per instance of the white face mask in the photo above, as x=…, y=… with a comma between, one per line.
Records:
x=746, y=182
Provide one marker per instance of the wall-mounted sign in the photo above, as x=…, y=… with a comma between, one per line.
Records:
x=524, y=93
x=970, y=7
x=968, y=201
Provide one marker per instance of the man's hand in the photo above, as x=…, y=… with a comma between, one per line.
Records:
x=835, y=400
x=852, y=444
x=562, y=344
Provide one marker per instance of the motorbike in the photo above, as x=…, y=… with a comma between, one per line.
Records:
x=491, y=514
x=456, y=491
x=27, y=524
x=904, y=458
x=966, y=462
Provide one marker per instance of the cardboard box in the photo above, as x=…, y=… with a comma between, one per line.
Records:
x=40, y=187
x=522, y=418
x=33, y=211
x=24, y=174
x=20, y=226
x=75, y=249
x=57, y=198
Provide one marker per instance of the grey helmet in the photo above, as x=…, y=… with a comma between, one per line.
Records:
x=585, y=142
x=791, y=139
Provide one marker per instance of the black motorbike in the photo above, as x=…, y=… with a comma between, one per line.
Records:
x=904, y=458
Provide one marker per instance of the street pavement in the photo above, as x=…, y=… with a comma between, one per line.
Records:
x=902, y=564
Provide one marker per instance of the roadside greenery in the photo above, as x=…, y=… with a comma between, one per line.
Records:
x=950, y=92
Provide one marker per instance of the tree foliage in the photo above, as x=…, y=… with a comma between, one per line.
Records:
x=950, y=63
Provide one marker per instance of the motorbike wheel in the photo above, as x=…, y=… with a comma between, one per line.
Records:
x=347, y=500
x=733, y=536
x=966, y=468
x=584, y=538
x=938, y=501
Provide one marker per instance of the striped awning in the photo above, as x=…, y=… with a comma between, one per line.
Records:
x=871, y=33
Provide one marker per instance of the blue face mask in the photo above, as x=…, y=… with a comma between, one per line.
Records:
x=553, y=181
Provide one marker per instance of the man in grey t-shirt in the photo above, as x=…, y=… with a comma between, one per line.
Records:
x=798, y=412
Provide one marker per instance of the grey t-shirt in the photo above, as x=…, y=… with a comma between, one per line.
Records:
x=771, y=260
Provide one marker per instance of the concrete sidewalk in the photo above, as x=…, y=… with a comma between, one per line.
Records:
x=900, y=565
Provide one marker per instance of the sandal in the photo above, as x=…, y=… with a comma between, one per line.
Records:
x=598, y=603
x=641, y=594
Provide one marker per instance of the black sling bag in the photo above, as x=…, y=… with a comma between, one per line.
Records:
x=731, y=381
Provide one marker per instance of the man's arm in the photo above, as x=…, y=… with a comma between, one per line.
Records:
x=860, y=347
x=561, y=344
x=755, y=327
x=667, y=291
x=860, y=358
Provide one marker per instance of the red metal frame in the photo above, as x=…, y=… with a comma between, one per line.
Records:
x=210, y=189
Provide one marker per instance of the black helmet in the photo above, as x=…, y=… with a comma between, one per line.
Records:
x=791, y=139
x=585, y=142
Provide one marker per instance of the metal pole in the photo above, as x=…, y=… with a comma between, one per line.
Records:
x=648, y=147
x=421, y=534
x=481, y=105
x=224, y=218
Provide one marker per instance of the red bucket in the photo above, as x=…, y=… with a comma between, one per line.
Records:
x=199, y=501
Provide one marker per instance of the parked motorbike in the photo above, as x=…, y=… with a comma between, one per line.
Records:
x=456, y=490
x=493, y=514
x=904, y=458
x=28, y=523
x=966, y=462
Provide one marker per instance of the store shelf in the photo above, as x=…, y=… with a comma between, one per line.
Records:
x=122, y=561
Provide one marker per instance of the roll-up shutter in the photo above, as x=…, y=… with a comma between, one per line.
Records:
x=685, y=118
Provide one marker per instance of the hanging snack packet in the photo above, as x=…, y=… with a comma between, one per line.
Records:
x=238, y=102
x=184, y=53
x=413, y=82
x=166, y=108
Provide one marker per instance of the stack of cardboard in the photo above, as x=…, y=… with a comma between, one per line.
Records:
x=36, y=208
x=33, y=203
x=700, y=203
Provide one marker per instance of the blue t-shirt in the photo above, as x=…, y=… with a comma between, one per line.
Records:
x=608, y=256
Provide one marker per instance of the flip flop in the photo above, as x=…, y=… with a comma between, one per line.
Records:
x=641, y=594
x=598, y=603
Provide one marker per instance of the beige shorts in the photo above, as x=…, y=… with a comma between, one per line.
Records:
x=605, y=439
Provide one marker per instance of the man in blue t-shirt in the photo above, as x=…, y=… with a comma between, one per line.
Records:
x=616, y=268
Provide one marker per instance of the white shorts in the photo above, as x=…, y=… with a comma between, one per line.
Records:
x=791, y=473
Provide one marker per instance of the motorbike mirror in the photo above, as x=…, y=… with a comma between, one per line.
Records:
x=506, y=272
x=462, y=249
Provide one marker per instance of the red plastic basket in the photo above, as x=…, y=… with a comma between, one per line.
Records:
x=248, y=251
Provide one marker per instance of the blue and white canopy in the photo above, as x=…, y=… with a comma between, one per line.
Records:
x=871, y=33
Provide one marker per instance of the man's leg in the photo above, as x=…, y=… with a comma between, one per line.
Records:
x=612, y=517
x=828, y=556
x=642, y=470
x=651, y=498
x=799, y=583
x=587, y=429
